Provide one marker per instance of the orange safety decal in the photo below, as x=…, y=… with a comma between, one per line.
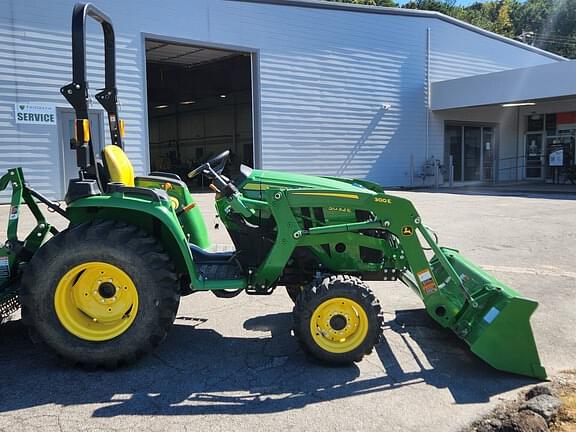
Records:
x=427, y=281
x=13, y=213
x=188, y=207
x=121, y=128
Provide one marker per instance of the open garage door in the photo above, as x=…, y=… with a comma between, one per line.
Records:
x=199, y=104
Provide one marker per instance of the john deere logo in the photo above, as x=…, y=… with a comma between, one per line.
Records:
x=22, y=107
x=407, y=231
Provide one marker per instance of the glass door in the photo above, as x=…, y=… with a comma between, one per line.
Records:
x=472, y=152
x=534, y=153
x=453, y=146
x=487, y=154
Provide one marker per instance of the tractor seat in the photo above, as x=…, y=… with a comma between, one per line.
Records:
x=119, y=169
x=117, y=165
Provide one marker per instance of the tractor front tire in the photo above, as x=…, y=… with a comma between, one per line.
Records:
x=100, y=294
x=338, y=320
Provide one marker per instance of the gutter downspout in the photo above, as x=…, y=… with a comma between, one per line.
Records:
x=517, y=158
x=428, y=31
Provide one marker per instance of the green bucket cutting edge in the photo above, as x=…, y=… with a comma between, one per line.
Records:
x=492, y=318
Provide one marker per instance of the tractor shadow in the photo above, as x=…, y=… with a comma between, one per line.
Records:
x=197, y=371
x=425, y=351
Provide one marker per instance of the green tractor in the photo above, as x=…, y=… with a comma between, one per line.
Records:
x=106, y=289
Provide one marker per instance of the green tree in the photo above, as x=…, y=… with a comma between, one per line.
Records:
x=385, y=3
x=446, y=7
x=503, y=24
x=553, y=23
x=547, y=24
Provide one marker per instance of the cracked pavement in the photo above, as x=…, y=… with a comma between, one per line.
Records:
x=233, y=364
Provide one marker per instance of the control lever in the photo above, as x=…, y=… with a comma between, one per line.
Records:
x=230, y=192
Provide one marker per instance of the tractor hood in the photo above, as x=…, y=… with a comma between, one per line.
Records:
x=259, y=180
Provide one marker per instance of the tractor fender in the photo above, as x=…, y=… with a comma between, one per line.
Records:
x=155, y=217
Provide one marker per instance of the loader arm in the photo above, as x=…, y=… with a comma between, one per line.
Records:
x=489, y=316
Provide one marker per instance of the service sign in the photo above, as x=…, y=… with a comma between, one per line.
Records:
x=32, y=113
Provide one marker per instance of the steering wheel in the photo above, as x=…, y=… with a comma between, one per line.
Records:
x=217, y=164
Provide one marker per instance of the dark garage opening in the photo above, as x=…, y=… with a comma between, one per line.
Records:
x=199, y=104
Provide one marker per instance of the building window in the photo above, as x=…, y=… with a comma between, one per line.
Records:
x=551, y=124
x=545, y=135
x=470, y=152
x=535, y=123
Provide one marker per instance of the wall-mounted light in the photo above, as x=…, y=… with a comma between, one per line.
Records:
x=161, y=106
x=518, y=104
x=188, y=102
x=223, y=96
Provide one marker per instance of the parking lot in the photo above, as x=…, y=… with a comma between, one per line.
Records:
x=234, y=364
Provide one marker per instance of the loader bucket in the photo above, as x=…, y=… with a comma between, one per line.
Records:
x=492, y=318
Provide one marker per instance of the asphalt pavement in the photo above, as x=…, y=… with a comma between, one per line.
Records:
x=234, y=365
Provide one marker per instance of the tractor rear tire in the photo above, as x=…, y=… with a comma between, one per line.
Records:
x=339, y=320
x=100, y=294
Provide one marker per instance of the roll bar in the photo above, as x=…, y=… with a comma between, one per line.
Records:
x=76, y=93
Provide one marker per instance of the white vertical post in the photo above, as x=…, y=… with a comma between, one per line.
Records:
x=451, y=170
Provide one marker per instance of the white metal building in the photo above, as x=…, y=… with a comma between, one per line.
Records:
x=307, y=86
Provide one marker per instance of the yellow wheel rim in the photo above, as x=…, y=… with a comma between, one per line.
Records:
x=339, y=325
x=96, y=301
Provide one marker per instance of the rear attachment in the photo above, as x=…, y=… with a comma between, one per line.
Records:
x=9, y=304
x=15, y=252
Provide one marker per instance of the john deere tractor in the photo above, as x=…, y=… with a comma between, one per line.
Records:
x=106, y=289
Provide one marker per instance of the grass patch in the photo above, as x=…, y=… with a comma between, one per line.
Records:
x=566, y=419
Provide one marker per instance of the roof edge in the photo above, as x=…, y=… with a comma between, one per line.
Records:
x=497, y=88
x=348, y=7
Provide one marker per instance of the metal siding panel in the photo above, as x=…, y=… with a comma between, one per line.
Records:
x=35, y=61
x=323, y=87
x=324, y=77
x=457, y=52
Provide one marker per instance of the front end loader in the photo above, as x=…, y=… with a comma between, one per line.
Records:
x=106, y=290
